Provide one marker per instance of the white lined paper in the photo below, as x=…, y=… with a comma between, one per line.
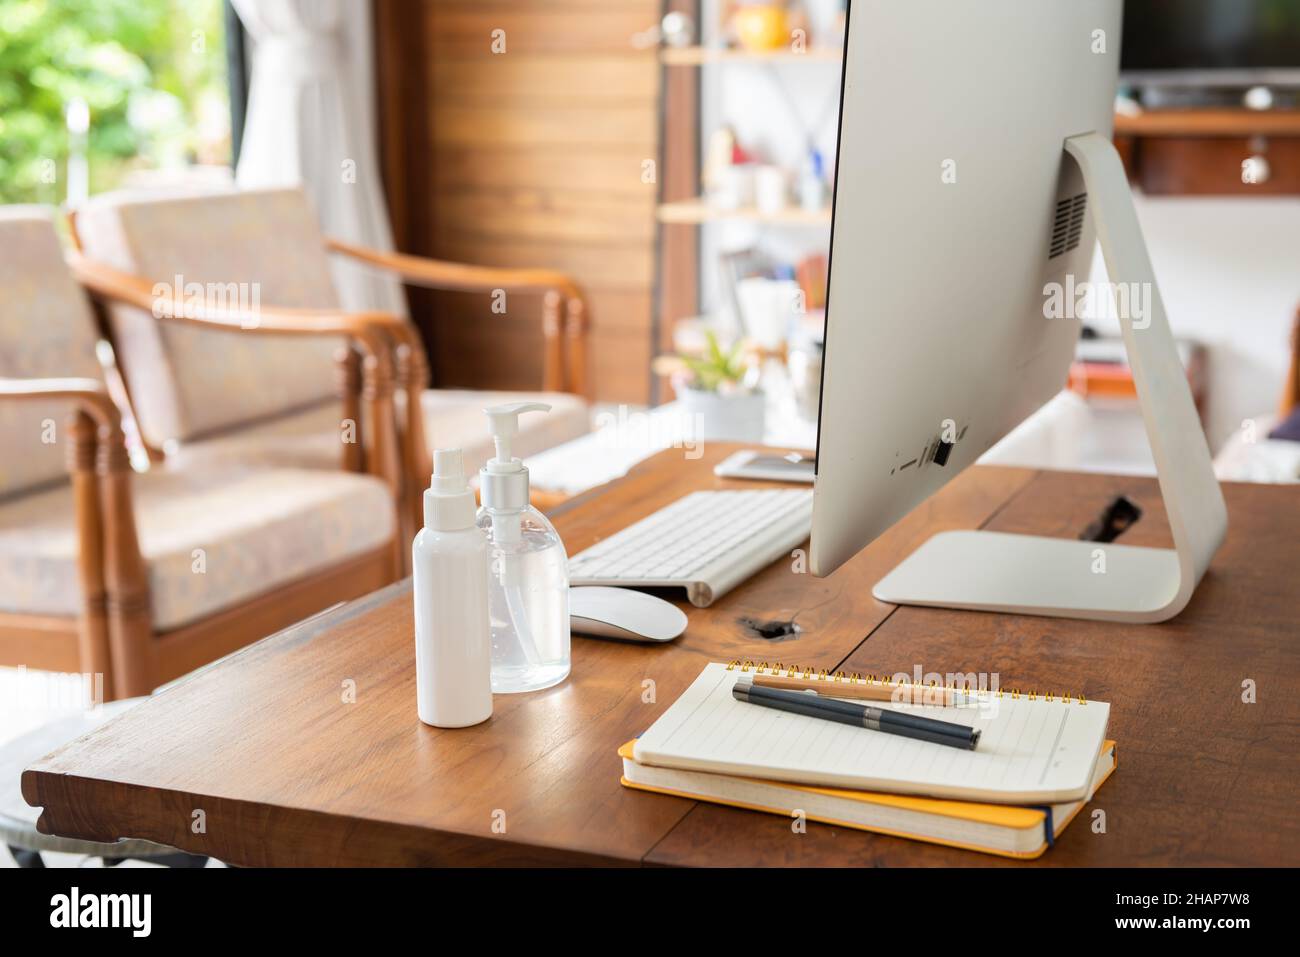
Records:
x=1030, y=751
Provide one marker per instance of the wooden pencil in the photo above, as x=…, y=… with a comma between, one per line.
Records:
x=929, y=695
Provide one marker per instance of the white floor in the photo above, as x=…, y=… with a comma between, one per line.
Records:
x=54, y=859
x=29, y=699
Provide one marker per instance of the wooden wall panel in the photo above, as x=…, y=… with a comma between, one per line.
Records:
x=584, y=27
x=620, y=265
x=622, y=131
x=568, y=78
x=577, y=167
x=580, y=216
x=533, y=157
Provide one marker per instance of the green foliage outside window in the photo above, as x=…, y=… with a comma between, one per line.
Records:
x=150, y=73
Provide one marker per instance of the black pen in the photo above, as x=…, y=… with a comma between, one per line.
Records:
x=859, y=716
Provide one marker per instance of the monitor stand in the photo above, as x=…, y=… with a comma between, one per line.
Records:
x=1063, y=578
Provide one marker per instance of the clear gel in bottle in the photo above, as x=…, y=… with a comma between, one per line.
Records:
x=528, y=589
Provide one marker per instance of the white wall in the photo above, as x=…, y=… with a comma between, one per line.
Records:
x=1229, y=272
x=746, y=97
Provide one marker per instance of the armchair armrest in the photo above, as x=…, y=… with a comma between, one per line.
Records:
x=564, y=307
x=464, y=277
x=371, y=330
x=88, y=395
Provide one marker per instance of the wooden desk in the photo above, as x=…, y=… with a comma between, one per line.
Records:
x=286, y=771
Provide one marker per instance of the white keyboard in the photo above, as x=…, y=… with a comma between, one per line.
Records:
x=706, y=542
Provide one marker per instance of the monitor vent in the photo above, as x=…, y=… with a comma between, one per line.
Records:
x=1067, y=227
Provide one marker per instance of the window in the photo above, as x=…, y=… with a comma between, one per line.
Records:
x=100, y=94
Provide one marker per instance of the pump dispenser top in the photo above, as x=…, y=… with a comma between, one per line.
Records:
x=504, y=479
x=528, y=591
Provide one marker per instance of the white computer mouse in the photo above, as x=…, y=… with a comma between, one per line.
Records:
x=623, y=614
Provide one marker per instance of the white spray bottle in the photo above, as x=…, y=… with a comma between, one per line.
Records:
x=450, y=584
x=528, y=590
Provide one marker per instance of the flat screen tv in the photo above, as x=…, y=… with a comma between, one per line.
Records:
x=1211, y=42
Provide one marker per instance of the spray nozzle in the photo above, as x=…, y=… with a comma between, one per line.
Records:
x=449, y=501
x=448, y=472
x=503, y=423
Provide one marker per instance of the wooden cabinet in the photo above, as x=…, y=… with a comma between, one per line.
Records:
x=1219, y=166
x=1212, y=152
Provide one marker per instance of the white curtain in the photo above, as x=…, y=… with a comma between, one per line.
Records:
x=310, y=124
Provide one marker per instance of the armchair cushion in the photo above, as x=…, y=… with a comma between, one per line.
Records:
x=453, y=418
x=258, y=530
x=46, y=330
x=263, y=247
x=307, y=438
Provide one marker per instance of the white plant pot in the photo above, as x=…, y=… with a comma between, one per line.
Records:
x=724, y=418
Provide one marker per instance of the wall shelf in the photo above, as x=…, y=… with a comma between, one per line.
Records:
x=698, y=56
x=1210, y=152
x=699, y=210
x=1212, y=122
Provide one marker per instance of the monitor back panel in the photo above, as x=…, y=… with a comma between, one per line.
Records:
x=955, y=208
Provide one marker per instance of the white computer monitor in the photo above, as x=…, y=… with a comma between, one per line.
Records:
x=974, y=175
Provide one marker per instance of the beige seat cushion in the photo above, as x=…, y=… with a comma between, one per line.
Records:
x=229, y=246
x=453, y=418
x=46, y=330
x=309, y=438
x=258, y=530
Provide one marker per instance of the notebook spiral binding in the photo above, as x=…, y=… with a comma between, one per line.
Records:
x=821, y=674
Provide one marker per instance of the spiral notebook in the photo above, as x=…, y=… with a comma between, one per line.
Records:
x=1034, y=749
x=1001, y=829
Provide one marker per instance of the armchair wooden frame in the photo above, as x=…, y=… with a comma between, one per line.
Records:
x=565, y=323
x=565, y=329
x=114, y=634
x=401, y=374
x=98, y=478
x=378, y=359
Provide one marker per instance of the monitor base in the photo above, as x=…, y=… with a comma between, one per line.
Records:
x=1029, y=575
x=993, y=571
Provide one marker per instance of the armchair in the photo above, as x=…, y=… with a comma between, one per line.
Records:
x=144, y=577
x=269, y=240
x=365, y=356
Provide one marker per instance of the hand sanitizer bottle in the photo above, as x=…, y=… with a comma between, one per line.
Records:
x=528, y=588
x=453, y=646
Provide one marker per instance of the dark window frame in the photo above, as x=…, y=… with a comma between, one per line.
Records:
x=237, y=70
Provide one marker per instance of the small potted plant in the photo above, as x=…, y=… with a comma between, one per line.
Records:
x=718, y=391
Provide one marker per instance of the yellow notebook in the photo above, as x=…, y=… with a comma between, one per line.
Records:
x=1002, y=829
